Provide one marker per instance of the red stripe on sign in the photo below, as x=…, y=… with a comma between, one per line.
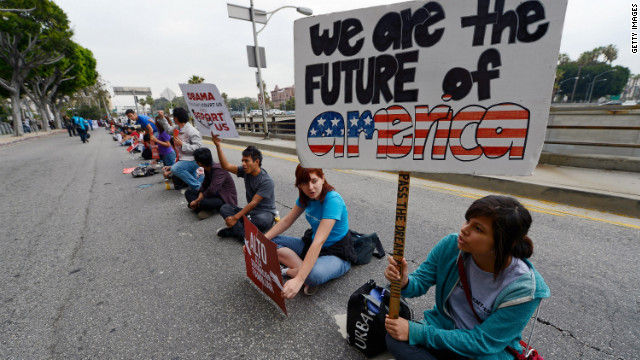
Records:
x=388, y=134
x=391, y=117
x=516, y=151
x=439, y=150
x=353, y=149
x=469, y=115
x=398, y=149
x=442, y=134
x=506, y=133
x=421, y=134
x=459, y=150
x=507, y=115
x=339, y=149
x=320, y=149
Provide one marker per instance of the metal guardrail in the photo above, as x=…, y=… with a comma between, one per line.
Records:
x=589, y=143
x=288, y=129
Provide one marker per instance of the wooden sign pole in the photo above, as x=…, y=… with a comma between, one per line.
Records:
x=402, y=205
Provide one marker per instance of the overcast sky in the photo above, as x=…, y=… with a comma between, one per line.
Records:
x=162, y=43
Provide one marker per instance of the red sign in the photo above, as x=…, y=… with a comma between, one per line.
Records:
x=263, y=268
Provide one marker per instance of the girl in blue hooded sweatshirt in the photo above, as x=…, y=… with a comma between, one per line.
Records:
x=505, y=288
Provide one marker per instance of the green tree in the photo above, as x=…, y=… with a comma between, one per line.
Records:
x=195, y=79
x=563, y=59
x=225, y=97
x=610, y=53
x=143, y=102
x=150, y=102
x=27, y=41
x=82, y=74
x=291, y=103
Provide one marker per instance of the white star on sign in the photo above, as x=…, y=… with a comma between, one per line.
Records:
x=368, y=120
x=354, y=121
x=313, y=132
x=329, y=131
x=335, y=122
x=321, y=122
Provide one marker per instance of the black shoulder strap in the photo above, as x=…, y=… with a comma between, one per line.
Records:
x=379, y=251
x=465, y=285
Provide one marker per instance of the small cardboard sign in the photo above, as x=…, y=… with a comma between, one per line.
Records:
x=209, y=112
x=263, y=268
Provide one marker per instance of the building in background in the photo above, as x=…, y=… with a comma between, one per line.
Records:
x=280, y=96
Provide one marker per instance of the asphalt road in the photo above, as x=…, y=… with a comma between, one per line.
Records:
x=95, y=264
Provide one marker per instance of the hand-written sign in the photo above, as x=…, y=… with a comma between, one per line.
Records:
x=208, y=110
x=461, y=87
x=263, y=268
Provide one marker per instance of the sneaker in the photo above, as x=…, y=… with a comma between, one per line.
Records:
x=225, y=232
x=283, y=271
x=203, y=214
x=310, y=290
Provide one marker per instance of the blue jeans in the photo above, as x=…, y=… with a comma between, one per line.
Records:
x=402, y=350
x=169, y=159
x=326, y=267
x=263, y=220
x=186, y=171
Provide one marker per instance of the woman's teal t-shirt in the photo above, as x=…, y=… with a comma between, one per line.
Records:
x=333, y=207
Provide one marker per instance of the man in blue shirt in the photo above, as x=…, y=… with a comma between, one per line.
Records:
x=80, y=127
x=144, y=121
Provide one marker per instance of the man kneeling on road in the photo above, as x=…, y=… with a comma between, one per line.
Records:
x=217, y=188
x=260, y=192
x=187, y=141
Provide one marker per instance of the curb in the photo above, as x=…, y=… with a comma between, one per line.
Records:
x=23, y=138
x=602, y=202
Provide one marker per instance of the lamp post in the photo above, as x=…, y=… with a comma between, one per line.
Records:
x=560, y=84
x=301, y=10
x=594, y=81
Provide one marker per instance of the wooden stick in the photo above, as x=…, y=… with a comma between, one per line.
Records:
x=402, y=205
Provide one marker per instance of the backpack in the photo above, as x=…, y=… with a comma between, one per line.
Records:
x=366, y=246
x=142, y=171
x=366, y=312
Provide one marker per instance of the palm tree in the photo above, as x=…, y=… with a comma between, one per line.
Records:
x=563, y=59
x=143, y=102
x=610, y=53
x=150, y=102
x=195, y=79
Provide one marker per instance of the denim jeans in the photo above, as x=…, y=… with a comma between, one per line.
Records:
x=263, y=220
x=326, y=267
x=186, y=171
x=207, y=203
x=168, y=159
x=402, y=350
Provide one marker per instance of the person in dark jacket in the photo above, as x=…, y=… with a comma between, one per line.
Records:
x=216, y=190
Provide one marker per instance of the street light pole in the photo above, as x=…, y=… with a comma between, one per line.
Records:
x=259, y=65
x=594, y=81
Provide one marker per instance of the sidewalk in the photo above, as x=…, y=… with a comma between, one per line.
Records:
x=617, y=192
x=9, y=139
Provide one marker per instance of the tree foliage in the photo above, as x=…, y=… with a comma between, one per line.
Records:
x=592, y=71
x=29, y=40
x=195, y=79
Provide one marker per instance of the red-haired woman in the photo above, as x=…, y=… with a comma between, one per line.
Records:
x=325, y=252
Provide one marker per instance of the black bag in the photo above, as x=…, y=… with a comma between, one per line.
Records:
x=146, y=154
x=365, y=246
x=366, y=312
x=141, y=171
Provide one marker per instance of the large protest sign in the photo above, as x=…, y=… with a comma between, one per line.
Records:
x=263, y=268
x=209, y=112
x=451, y=86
